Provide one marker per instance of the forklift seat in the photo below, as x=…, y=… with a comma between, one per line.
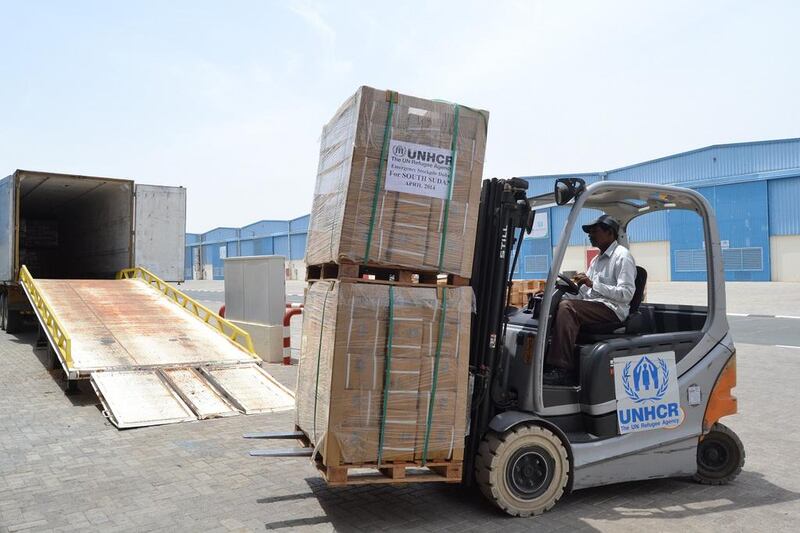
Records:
x=635, y=323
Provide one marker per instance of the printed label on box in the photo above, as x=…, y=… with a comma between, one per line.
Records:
x=418, y=169
x=647, y=392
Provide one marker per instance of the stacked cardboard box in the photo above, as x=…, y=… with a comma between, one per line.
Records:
x=383, y=184
x=356, y=409
x=384, y=366
x=38, y=241
x=522, y=289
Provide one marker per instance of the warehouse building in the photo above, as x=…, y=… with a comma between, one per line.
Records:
x=205, y=251
x=754, y=189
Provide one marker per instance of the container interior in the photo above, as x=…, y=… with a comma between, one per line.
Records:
x=74, y=227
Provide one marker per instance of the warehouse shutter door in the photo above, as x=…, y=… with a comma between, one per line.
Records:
x=743, y=220
x=743, y=217
x=160, y=230
x=687, y=247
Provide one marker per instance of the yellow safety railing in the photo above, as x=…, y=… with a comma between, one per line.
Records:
x=226, y=327
x=57, y=332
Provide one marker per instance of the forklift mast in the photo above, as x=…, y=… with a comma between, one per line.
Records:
x=504, y=215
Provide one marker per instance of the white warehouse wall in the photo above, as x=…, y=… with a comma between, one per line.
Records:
x=785, y=257
x=653, y=256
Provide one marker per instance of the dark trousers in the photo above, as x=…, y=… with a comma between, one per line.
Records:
x=571, y=315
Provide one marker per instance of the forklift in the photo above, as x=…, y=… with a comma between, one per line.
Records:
x=650, y=390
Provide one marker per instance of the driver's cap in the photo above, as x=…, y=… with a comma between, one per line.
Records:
x=605, y=220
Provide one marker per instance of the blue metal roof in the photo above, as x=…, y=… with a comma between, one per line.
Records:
x=757, y=159
x=775, y=161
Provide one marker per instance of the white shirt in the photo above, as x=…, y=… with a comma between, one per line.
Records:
x=613, y=275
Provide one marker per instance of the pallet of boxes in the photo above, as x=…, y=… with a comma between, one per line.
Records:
x=523, y=289
x=382, y=387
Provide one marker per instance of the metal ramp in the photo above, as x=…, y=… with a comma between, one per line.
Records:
x=136, y=398
x=153, y=354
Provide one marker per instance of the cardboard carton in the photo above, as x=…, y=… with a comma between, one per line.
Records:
x=384, y=195
x=347, y=401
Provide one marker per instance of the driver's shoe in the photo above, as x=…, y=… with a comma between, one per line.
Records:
x=559, y=376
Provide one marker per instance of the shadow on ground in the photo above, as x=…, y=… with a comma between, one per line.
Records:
x=82, y=395
x=439, y=506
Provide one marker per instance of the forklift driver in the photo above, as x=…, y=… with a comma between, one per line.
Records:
x=604, y=297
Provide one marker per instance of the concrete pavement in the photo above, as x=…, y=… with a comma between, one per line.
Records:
x=64, y=467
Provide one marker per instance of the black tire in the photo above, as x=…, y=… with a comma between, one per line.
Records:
x=523, y=471
x=52, y=358
x=13, y=321
x=3, y=311
x=720, y=456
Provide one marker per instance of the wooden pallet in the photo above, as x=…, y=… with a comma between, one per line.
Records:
x=381, y=274
x=443, y=472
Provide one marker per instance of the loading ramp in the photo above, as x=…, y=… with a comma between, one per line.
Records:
x=153, y=354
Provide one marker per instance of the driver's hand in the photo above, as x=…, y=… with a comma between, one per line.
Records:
x=583, y=279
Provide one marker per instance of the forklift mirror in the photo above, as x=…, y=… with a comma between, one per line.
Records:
x=568, y=188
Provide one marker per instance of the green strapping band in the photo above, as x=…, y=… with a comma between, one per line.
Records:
x=386, y=374
x=435, y=377
x=319, y=354
x=384, y=150
x=453, y=155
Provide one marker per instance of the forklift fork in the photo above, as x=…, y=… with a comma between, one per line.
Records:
x=305, y=451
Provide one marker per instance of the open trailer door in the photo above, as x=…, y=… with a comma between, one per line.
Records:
x=7, y=228
x=160, y=230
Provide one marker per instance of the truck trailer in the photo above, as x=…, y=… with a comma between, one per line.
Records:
x=89, y=260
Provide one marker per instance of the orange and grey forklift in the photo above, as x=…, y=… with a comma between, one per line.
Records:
x=651, y=389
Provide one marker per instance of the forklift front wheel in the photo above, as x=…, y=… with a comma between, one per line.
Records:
x=720, y=456
x=524, y=471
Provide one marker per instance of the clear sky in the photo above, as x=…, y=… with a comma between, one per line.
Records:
x=228, y=98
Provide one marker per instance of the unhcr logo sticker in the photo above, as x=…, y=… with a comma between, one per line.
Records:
x=418, y=169
x=647, y=392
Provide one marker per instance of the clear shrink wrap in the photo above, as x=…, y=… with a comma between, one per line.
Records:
x=387, y=192
x=383, y=372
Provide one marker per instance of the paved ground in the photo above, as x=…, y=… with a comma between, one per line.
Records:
x=63, y=467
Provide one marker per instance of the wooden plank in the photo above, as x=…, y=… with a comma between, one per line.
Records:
x=383, y=274
x=392, y=473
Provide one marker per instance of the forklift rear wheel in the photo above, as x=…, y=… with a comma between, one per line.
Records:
x=524, y=471
x=720, y=456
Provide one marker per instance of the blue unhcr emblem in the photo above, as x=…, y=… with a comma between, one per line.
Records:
x=650, y=382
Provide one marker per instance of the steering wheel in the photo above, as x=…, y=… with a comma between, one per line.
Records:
x=568, y=285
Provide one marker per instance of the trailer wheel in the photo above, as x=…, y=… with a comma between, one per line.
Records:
x=524, y=471
x=720, y=456
x=52, y=358
x=3, y=311
x=13, y=321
